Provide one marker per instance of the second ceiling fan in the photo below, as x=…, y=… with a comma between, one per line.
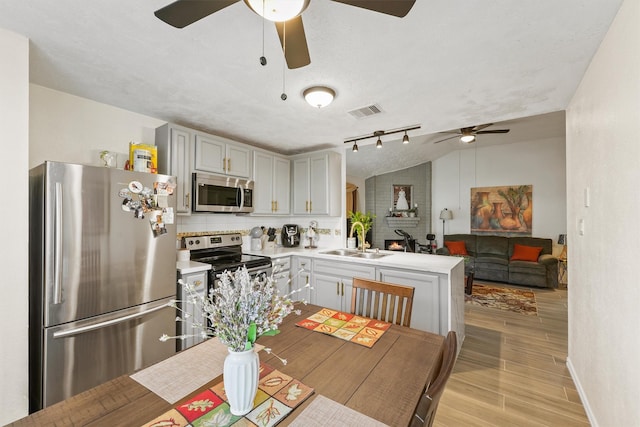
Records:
x=468, y=134
x=285, y=13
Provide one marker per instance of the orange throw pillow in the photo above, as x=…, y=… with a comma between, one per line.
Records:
x=457, y=248
x=525, y=253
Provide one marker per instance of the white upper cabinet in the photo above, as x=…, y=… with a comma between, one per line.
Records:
x=174, y=158
x=316, y=185
x=272, y=184
x=217, y=155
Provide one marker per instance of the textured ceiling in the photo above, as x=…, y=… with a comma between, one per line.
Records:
x=444, y=66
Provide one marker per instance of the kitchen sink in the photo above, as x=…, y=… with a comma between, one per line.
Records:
x=368, y=255
x=341, y=252
x=354, y=253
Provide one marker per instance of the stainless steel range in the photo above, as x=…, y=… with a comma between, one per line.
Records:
x=224, y=252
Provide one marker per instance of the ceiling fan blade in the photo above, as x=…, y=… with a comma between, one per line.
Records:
x=493, y=131
x=480, y=127
x=446, y=139
x=185, y=12
x=398, y=8
x=294, y=42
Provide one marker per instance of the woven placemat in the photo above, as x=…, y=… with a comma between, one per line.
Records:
x=175, y=377
x=326, y=412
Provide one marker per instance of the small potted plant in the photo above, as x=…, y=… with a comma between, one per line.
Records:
x=366, y=219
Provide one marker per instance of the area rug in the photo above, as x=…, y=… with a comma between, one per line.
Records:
x=509, y=299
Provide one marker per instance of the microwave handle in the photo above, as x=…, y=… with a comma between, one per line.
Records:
x=240, y=198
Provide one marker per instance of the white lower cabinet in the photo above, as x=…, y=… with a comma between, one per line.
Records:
x=302, y=273
x=332, y=282
x=282, y=275
x=428, y=299
x=193, y=314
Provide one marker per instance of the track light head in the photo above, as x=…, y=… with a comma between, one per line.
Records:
x=379, y=143
x=405, y=138
x=355, y=147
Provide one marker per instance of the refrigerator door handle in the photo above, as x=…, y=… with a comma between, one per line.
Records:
x=57, y=242
x=93, y=327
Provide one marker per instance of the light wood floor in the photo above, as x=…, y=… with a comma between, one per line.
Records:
x=511, y=370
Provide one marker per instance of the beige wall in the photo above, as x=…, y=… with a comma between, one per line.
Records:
x=539, y=162
x=603, y=156
x=71, y=129
x=14, y=122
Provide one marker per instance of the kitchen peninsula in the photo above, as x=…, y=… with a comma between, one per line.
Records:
x=438, y=304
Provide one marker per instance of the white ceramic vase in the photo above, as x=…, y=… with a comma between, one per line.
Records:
x=240, y=375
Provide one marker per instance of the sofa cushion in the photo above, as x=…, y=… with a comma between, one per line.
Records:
x=525, y=253
x=468, y=239
x=527, y=267
x=456, y=248
x=494, y=246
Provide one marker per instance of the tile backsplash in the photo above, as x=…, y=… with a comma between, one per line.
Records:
x=330, y=229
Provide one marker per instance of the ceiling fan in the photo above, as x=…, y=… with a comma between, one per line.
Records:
x=285, y=13
x=468, y=134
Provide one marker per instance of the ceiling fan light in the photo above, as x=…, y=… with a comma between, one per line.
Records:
x=379, y=143
x=319, y=96
x=467, y=139
x=278, y=10
x=405, y=138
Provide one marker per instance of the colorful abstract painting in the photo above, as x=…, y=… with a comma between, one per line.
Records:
x=502, y=211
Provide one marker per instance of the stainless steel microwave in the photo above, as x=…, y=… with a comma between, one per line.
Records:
x=218, y=193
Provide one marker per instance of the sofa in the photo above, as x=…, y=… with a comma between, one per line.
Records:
x=516, y=260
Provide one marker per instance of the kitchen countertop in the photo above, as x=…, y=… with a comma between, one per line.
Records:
x=186, y=267
x=394, y=259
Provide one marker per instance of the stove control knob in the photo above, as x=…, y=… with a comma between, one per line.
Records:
x=197, y=242
x=190, y=243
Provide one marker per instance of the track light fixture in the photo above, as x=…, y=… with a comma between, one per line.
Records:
x=405, y=138
x=355, y=147
x=379, y=134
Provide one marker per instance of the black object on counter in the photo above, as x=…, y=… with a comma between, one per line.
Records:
x=290, y=235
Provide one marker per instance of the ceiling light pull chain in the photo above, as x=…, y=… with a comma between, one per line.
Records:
x=263, y=59
x=284, y=66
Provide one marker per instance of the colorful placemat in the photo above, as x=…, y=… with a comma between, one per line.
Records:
x=278, y=394
x=346, y=326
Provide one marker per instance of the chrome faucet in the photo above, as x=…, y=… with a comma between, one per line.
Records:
x=363, y=236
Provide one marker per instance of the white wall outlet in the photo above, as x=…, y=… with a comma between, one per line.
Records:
x=587, y=197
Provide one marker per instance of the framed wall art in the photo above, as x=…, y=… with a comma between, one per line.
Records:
x=504, y=211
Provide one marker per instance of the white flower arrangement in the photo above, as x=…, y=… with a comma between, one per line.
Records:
x=239, y=310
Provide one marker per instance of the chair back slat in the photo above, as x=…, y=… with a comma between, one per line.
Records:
x=426, y=409
x=384, y=301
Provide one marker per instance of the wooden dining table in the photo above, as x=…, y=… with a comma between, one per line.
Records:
x=383, y=382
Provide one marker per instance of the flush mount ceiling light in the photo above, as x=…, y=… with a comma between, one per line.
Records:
x=278, y=10
x=379, y=133
x=319, y=96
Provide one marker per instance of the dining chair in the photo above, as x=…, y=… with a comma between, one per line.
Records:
x=426, y=410
x=383, y=301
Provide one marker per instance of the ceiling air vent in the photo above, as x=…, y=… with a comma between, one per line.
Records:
x=367, y=111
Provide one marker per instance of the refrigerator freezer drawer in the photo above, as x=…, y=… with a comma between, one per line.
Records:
x=81, y=355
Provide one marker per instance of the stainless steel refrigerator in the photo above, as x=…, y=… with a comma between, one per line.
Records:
x=102, y=267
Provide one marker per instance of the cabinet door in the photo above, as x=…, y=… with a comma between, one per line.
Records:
x=263, y=185
x=328, y=291
x=425, y=314
x=210, y=155
x=319, y=186
x=199, y=283
x=301, y=168
x=238, y=161
x=281, y=185
x=180, y=167
x=302, y=276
